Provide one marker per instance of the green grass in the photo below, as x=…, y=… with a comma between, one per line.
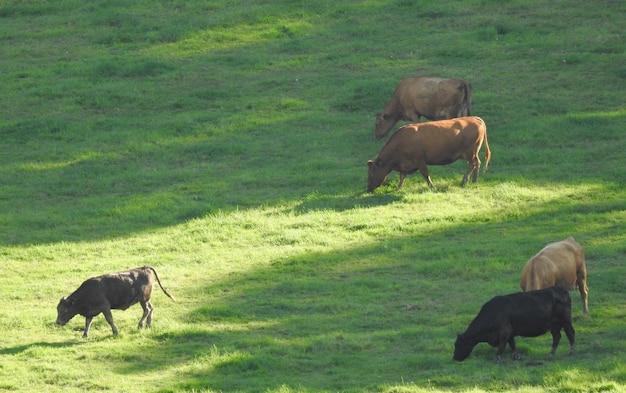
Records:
x=226, y=144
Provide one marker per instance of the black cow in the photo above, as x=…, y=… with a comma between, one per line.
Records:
x=525, y=314
x=111, y=291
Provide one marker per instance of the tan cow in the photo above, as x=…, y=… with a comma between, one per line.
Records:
x=560, y=264
x=432, y=98
x=442, y=142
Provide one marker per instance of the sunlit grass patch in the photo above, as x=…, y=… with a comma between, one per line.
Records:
x=242, y=34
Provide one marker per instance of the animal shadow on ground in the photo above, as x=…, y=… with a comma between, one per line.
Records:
x=343, y=202
x=21, y=348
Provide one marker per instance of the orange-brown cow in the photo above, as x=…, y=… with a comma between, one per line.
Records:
x=442, y=142
x=432, y=98
x=560, y=264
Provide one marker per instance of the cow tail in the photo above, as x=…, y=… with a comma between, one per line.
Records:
x=468, y=98
x=466, y=104
x=487, y=152
x=159, y=281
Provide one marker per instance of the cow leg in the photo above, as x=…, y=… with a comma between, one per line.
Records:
x=505, y=335
x=556, y=338
x=87, y=326
x=402, y=177
x=149, y=319
x=570, y=333
x=466, y=176
x=583, y=296
x=476, y=169
x=584, y=291
x=424, y=172
x=146, y=318
x=472, y=169
x=515, y=355
x=501, y=348
x=109, y=318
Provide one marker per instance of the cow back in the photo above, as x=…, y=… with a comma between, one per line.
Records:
x=430, y=97
x=438, y=143
x=434, y=98
x=557, y=264
x=127, y=288
x=115, y=291
x=536, y=309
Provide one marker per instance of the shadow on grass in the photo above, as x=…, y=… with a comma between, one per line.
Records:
x=108, y=183
x=368, y=317
x=22, y=348
x=341, y=203
x=143, y=184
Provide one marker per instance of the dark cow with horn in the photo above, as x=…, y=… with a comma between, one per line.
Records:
x=525, y=314
x=111, y=291
x=414, y=146
x=432, y=98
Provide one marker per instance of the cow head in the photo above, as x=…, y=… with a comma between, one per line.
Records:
x=462, y=348
x=376, y=174
x=66, y=310
x=384, y=122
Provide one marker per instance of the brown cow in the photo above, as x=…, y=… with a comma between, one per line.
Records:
x=111, y=291
x=442, y=142
x=560, y=264
x=432, y=98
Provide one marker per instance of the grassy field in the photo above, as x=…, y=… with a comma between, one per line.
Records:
x=225, y=143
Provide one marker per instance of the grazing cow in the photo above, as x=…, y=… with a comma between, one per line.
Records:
x=442, y=142
x=525, y=314
x=432, y=98
x=111, y=291
x=560, y=264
